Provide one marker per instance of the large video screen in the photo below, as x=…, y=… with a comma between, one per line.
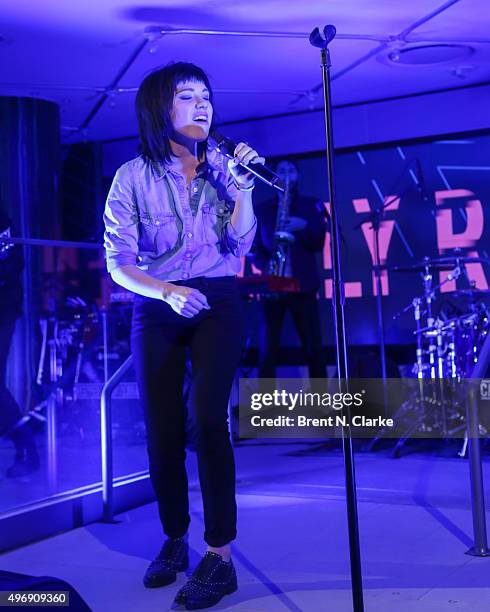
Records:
x=438, y=205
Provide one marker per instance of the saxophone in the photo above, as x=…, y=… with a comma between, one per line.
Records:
x=282, y=238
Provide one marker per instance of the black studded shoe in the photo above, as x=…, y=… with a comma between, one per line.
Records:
x=173, y=558
x=211, y=580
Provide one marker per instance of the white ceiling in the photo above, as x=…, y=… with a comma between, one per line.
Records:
x=89, y=56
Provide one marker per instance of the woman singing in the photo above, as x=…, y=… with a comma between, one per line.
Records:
x=178, y=218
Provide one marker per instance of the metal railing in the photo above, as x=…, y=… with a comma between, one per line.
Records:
x=106, y=439
x=480, y=543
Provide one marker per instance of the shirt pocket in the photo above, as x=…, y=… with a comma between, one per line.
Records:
x=214, y=218
x=158, y=233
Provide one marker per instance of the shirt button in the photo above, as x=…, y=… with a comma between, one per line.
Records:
x=195, y=189
x=185, y=275
x=157, y=222
x=220, y=210
x=189, y=234
x=188, y=255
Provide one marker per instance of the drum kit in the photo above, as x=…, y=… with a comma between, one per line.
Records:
x=447, y=346
x=447, y=349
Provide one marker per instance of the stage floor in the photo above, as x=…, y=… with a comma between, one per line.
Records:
x=292, y=549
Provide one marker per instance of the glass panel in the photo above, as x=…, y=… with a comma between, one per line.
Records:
x=129, y=435
x=64, y=329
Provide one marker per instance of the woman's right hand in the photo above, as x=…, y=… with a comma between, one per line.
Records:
x=185, y=301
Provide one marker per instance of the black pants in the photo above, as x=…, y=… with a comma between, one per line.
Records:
x=10, y=412
x=159, y=341
x=304, y=309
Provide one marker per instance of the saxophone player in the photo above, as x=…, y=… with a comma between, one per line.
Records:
x=291, y=232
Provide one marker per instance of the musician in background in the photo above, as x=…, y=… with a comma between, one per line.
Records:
x=291, y=232
x=12, y=423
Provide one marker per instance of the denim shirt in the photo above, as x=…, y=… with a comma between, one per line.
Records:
x=171, y=232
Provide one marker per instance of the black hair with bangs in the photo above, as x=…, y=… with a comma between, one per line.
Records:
x=154, y=102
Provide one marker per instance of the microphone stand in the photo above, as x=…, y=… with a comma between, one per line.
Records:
x=317, y=40
x=376, y=225
x=375, y=217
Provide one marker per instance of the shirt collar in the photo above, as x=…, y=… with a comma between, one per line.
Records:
x=214, y=161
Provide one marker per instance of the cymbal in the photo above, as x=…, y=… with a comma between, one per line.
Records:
x=470, y=293
x=438, y=263
x=461, y=259
x=421, y=267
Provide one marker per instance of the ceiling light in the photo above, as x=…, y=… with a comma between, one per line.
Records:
x=427, y=55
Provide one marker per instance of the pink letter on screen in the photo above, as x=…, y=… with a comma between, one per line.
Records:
x=447, y=239
x=361, y=205
x=352, y=289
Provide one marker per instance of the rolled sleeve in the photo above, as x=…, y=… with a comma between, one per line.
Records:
x=121, y=221
x=238, y=244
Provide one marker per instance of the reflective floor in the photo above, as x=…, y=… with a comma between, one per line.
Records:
x=74, y=460
x=292, y=550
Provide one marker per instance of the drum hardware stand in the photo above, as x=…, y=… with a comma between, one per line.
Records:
x=418, y=403
x=439, y=405
x=436, y=349
x=464, y=448
x=455, y=345
x=322, y=42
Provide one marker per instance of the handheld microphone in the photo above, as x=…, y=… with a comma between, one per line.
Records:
x=227, y=148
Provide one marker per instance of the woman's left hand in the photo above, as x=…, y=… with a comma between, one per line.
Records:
x=244, y=154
